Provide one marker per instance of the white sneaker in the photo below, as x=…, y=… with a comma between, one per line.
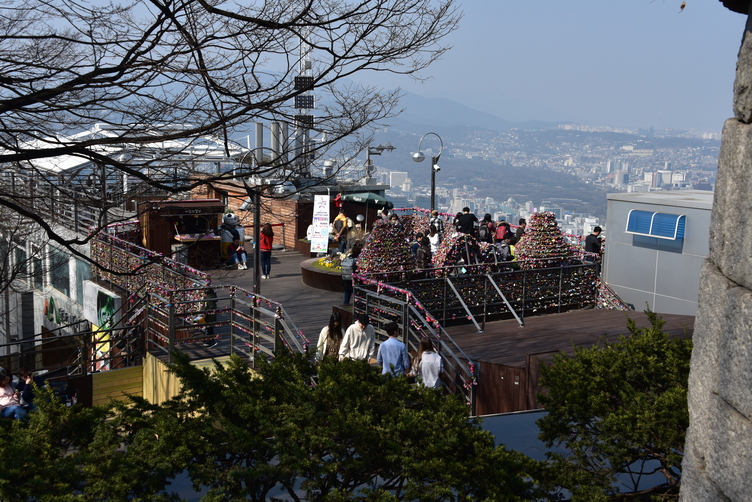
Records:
x=243, y=266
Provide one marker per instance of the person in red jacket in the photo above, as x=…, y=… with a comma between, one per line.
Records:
x=265, y=248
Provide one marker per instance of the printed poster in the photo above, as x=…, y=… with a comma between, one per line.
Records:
x=320, y=237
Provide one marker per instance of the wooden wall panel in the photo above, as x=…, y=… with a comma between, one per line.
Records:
x=116, y=383
x=501, y=389
x=159, y=384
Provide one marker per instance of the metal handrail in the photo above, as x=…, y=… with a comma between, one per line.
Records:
x=250, y=318
x=382, y=308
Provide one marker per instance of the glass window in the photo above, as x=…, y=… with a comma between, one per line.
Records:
x=37, y=272
x=21, y=265
x=59, y=272
x=83, y=273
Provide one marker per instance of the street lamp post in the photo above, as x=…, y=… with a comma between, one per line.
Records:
x=375, y=150
x=419, y=156
x=254, y=193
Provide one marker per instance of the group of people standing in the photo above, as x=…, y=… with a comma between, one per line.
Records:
x=359, y=342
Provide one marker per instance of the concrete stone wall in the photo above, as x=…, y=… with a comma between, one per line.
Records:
x=718, y=451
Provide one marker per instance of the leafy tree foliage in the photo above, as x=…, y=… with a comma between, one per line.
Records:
x=621, y=411
x=138, y=92
x=354, y=435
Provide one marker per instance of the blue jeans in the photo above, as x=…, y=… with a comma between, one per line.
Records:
x=266, y=262
x=15, y=412
x=347, y=287
x=234, y=259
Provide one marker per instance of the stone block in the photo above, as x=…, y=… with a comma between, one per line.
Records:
x=704, y=374
x=731, y=220
x=718, y=461
x=729, y=462
x=696, y=485
x=736, y=352
x=743, y=80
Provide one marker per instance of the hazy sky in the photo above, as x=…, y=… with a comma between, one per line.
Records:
x=628, y=63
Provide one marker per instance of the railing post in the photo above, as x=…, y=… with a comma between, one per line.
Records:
x=443, y=303
x=232, y=321
x=147, y=326
x=171, y=328
x=277, y=329
x=255, y=328
x=561, y=279
x=524, y=293
x=485, y=302
x=406, y=321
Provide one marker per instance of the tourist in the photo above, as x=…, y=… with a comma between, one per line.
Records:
x=236, y=255
x=424, y=255
x=593, y=249
x=428, y=365
x=436, y=221
x=504, y=249
x=467, y=222
x=340, y=228
x=416, y=243
x=330, y=337
x=10, y=406
x=503, y=230
x=486, y=229
x=392, y=355
x=394, y=219
x=25, y=387
x=265, y=250
x=520, y=230
x=349, y=267
x=359, y=342
x=434, y=238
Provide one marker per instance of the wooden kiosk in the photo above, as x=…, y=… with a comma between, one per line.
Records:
x=183, y=229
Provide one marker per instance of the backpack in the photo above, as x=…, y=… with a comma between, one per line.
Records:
x=348, y=267
x=501, y=231
x=483, y=233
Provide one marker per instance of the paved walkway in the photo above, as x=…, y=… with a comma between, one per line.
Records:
x=309, y=308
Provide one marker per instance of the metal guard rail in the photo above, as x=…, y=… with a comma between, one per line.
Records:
x=471, y=293
x=460, y=372
x=252, y=322
x=77, y=354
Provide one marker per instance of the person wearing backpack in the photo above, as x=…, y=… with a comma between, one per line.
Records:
x=349, y=267
x=340, y=228
x=502, y=231
x=486, y=229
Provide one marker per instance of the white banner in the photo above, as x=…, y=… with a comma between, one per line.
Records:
x=320, y=237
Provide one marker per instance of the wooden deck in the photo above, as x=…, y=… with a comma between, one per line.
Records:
x=505, y=342
x=509, y=357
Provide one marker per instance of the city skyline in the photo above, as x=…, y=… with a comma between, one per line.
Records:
x=633, y=65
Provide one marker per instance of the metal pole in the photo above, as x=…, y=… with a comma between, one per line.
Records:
x=171, y=327
x=434, y=161
x=256, y=238
x=232, y=321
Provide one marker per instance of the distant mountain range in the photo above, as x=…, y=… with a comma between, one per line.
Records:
x=422, y=113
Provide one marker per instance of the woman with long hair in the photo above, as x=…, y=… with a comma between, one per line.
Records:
x=330, y=338
x=265, y=250
x=428, y=365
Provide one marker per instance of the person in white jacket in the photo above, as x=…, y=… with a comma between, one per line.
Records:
x=359, y=341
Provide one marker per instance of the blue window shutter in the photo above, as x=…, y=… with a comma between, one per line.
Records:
x=654, y=224
x=638, y=222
